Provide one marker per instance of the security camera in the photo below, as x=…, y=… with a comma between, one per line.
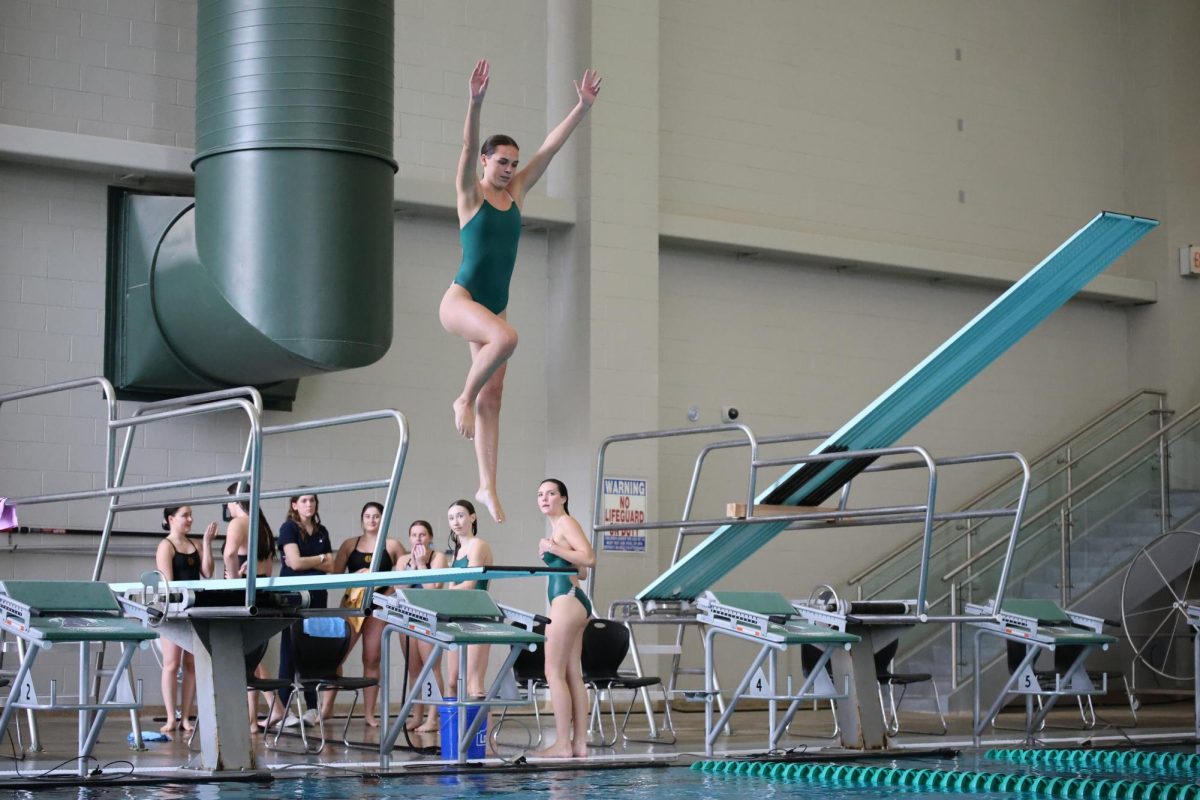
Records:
x=730, y=413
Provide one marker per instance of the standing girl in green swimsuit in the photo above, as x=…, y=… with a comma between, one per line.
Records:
x=474, y=307
x=469, y=551
x=565, y=546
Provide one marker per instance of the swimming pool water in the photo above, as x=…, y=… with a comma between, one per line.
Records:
x=643, y=783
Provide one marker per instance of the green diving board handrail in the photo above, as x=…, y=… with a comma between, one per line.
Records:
x=61, y=598
x=463, y=604
x=895, y=412
x=766, y=603
x=299, y=583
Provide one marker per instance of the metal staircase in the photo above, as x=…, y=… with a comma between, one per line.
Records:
x=1099, y=496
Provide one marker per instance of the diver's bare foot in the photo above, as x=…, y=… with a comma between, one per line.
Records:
x=170, y=726
x=580, y=752
x=428, y=726
x=412, y=723
x=372, y=722
x=490, y=499
x=187, y=725
x=554, y=752
x=464, y=417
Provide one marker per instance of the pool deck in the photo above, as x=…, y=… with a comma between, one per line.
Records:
x=1157, y=724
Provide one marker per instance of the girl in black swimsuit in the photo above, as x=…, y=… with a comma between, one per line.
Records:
x=178, y=559
x=355, y=556
x=237, y=538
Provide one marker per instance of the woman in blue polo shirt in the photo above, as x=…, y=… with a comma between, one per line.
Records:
x=304, y=542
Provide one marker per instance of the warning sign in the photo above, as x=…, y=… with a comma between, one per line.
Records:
x=624, y=500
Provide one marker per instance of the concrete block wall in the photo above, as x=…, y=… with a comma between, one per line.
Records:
x=121, y=69
x=844, y=119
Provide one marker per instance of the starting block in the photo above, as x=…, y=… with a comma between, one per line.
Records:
x=769, y=620
x=44, y=614
x=450, y=620
x=1041, y=626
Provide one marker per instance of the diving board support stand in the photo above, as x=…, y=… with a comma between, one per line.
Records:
x=218, y=637
x=860, y=718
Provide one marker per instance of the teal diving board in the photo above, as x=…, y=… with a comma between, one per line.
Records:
x=895, y=412
x=301, y=583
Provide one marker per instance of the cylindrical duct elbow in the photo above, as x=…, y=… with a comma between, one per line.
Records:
x=283, y=267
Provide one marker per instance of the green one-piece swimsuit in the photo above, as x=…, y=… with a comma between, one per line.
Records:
x=489, y=245
x=558, y=585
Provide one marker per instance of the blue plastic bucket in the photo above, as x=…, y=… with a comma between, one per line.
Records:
x=448, y=717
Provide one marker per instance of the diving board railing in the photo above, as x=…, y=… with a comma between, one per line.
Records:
x=244, y=399
x=1092, y=449
x=805, y=518
x=680, y=613
x=1087, y=451
x=981, y=341
x=1066, y=534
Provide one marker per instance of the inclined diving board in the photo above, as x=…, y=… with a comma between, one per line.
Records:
x=895, y=412
x=350, y=580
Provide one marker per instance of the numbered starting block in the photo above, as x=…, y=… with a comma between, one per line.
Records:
x=450, y=621
x=770, y=621
x=44, y=614
x=1039, y=626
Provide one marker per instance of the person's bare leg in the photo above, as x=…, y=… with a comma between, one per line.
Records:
x=566, y=626
x=431, y=723
x=172, y=656
x=188, y=691
x=487, y=440
x=372, y=645
x=477, y=664
x=579, y=697
x=496, y=341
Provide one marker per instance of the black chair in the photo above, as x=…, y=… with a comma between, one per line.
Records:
x=319, y=646
x=529, y=672
x=886, y=677
x=605, y=645
x=810, y=654
x=268, y=686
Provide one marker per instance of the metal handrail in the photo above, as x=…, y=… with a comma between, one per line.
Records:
x=247, y=399
x=1092, y=480
x=392, y=483
x=250, y=392
x=841, y=514
x=670, y=433
x=1000, y=485
x=702, y=456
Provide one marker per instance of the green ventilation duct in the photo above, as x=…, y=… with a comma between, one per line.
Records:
x=281, y=266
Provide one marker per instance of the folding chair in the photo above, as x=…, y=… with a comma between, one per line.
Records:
x=319, y=646
x=605, y=645
x=884, y=663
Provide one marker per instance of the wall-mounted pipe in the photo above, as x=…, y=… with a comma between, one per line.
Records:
x=283, y=265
